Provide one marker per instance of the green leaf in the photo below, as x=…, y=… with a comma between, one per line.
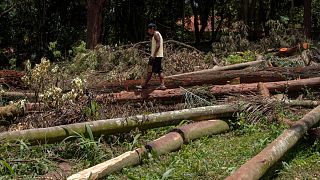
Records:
x=166, y=175
x=7, y=166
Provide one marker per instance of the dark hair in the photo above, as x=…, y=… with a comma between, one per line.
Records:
x=152, y=25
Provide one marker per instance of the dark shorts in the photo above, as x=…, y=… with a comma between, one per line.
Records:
x=156, y=65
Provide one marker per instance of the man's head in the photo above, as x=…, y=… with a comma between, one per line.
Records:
x=152, y=28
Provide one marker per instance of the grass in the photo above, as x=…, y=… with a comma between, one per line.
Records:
x=211, y=157
x=207, y=158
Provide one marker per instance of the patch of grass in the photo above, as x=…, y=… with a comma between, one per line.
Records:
x=302, y=162
x=207, y=158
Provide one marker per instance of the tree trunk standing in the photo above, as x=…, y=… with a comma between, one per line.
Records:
x=307, y=18
x=244, y=11
x=212, y=21
x=195, y=7
x=94, y=22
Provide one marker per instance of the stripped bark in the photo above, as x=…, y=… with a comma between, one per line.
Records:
x=129, y=158
x=292, y=85
x=118, y=125
x=165, y=144
x=258, y=165
x=212, y=76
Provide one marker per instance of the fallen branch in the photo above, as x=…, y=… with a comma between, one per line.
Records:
x=212, y=76
x=258, y=165
x=119, y=125
x=167, y=143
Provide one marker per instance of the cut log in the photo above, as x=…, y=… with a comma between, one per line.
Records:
x=304, y=103
x=167, y=143
x=211, y=76
x=99, y=171
x=118, y=125
x=169, y=94
x=11, y=78
x=177, y=94
x=196, y=130
x=292, y=85
x=18, y=95
x=17, y=109
x=258, y=165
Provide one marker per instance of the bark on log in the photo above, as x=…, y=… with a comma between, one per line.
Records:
x=304, y=103
x=196, y=130
x=18, y=95
x=167, y=143
x=177, y=94
x=99, y=171
x=258, y=165
x=212, y=76
x=169, y=94
x=118, y=125
x=11, y=78
x=292, y=85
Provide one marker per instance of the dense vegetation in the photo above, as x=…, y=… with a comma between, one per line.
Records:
x=33, y=29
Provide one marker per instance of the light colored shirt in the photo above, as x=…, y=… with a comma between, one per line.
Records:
x=154, y=45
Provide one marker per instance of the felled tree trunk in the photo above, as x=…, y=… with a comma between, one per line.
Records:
x=258, y=165
x=124, y=96
x=177, y=94
x=18, y=95
x=292, y=85
x=11, y=78
x=118, y=125
x=211, y=76
x=165, y=144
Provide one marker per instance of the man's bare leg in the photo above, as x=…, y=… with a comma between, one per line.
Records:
x=161, y=78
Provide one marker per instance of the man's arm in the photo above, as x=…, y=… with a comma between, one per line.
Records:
x=157, y=38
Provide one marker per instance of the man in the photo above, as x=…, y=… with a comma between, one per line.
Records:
x=154, y=64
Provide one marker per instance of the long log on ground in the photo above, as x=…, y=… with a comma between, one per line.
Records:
x=165, y=144
x=118, y=125
x=177, y=94
x=292, y=85
x=258, y=165
x=18, y=95
x=212, y=76
x=11, y=77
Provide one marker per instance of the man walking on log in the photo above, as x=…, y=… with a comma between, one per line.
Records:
x=154, y=64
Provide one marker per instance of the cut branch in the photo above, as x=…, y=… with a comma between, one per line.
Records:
x=258, y=165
